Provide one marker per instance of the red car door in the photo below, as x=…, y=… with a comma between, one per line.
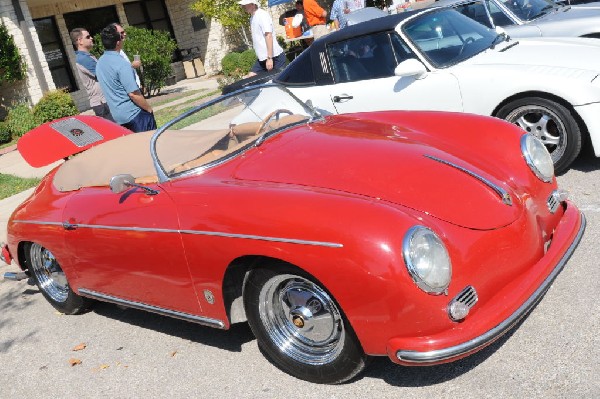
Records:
x=128, y=246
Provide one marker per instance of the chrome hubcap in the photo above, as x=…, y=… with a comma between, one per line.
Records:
x=48, y=273
x=545, y=125
x=301, y=319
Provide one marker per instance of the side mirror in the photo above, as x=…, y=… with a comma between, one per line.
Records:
x=411, y=67
x=120, y=183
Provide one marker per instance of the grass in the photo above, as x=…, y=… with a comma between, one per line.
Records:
x=12, y=142
x=11, y=185
x=164, y=115
x=157, y=101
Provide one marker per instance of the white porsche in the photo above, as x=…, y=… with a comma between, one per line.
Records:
x=438, y=59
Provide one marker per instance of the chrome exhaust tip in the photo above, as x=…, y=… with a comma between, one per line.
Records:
x=13, y=276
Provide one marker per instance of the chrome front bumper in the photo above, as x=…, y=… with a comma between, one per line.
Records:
x=463, y=349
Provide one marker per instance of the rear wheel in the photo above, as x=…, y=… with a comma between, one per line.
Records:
x=552, y=123
x=300, y=327
x=52, y=281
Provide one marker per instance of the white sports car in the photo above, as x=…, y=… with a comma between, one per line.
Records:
x=438, y=59
x=532, y=18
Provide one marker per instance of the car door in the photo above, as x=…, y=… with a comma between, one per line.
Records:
x=128, y=246
x=363, y=69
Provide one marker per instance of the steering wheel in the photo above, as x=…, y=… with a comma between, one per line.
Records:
x=267, y=119
x=468, y=40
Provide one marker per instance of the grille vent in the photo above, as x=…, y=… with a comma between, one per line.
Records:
x=468, y=297
x=553, y=202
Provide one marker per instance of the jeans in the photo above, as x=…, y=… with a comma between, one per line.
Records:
x=142, y=122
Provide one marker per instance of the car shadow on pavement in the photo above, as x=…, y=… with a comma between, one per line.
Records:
x=418, y=376
x=586, y=162
x=16, y=301
x=230, y=340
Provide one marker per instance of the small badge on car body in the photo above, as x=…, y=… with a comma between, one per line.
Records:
x=208, y=295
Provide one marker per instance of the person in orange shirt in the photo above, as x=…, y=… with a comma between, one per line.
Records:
x=316, y=18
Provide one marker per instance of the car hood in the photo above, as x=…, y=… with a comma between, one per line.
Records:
x=580, y=56
x=576, y=14
x=384, y=163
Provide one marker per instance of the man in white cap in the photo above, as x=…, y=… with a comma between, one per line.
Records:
x=269, y=53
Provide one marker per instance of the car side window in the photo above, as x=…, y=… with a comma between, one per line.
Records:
x=498, y=16
x=360, y=58
x=475, y=11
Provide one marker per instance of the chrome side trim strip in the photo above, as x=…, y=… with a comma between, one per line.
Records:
x=142, y=306
x=263, y=238
x=500, y=329
x=502, y=193
x=195, y=232
x=40, y=223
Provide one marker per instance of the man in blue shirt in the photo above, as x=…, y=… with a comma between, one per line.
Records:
x=127, y=105
x=86, y=67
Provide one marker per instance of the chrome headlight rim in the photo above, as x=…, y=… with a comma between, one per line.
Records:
x=526, y=140
x=413, y=270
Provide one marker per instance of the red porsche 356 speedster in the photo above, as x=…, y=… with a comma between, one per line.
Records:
x=423, y=236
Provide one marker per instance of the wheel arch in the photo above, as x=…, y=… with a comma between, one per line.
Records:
x=22, y=258
x=236, y=276
x=586, y=141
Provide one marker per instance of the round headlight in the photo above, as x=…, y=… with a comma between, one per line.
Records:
x=427, y=260
x=537, y=157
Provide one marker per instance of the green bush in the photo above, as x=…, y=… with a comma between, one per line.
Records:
x=5, y=135
x=156, y=51
x=20, y=120
x=237, y=65
x=12, y=66
x=54, y=104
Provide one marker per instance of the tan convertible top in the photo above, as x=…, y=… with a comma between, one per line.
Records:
x=178, y=151
x=131, y=154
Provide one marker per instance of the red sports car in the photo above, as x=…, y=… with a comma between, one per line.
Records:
x=406, y=234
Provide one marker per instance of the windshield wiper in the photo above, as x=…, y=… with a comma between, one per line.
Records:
x=513, y=44
x=500, y=37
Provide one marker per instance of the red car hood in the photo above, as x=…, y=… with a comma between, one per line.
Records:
x=363, y=158
x=60, y=138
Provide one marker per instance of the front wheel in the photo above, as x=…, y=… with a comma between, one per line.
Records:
x=549, y=121
x=300, y=327
x=52, y=282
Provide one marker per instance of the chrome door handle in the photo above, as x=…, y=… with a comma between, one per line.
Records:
x=337, y=99
x=69, y=226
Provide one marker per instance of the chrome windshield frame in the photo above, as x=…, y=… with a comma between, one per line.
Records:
x=160, y=170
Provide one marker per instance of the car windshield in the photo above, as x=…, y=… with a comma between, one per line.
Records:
x=220, y=129
x=528, y=10
x=446, y=37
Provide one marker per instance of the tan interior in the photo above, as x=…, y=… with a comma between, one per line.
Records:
x=178, y=151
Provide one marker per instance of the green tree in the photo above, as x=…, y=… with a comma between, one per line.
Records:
x=155, y=49
x=12, y=66
x=228, y=12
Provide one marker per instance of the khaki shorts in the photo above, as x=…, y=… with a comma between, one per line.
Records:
x=319, y=30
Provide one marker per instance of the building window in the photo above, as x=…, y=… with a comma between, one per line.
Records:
x=93, y=20
x=54, y=51
x=151, y=14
